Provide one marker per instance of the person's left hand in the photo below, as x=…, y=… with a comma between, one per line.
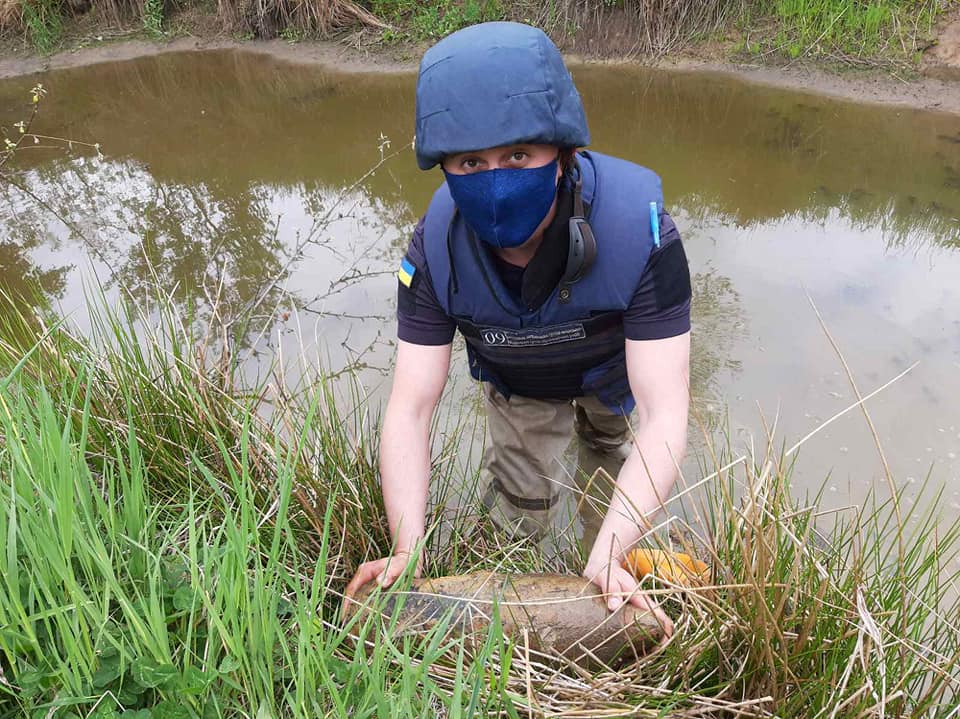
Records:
x=619, y=586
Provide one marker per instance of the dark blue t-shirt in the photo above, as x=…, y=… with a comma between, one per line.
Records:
x=660, y=307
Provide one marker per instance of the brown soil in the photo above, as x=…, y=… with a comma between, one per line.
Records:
x=928, y=92
x=317, y=52
x=937, y=88
x=943, y=59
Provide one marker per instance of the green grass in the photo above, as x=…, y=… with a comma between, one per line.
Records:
x=153, y=18
x=412, y=20
x=43, y=22
x=855, y=31
x=179, y=572
x=175, y=542
x=117, y=605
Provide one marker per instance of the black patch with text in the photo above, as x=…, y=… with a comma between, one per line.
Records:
x=533, y=337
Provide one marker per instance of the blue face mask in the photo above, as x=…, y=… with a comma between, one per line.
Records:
x=504, y=206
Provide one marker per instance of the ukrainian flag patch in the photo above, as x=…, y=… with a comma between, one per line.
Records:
x=406, y=272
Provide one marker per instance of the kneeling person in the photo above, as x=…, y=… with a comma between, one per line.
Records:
x=567, y=280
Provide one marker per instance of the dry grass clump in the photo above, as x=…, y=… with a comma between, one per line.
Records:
x=117, y=13
x=256, y=18
x=10, y=15
x=633, y=27
x=808, y=614
x=268, y=18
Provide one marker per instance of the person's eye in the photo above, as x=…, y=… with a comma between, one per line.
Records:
x=471, y=163
x=519, y=156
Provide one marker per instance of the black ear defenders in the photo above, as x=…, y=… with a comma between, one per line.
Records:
x=582, y=250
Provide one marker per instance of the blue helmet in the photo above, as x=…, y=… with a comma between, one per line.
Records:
x=497, y=83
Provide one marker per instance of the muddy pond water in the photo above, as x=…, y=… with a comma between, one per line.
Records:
x=235, y=175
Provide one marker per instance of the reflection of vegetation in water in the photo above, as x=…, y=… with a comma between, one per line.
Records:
x=208, y=247
x=234, y=118
x=904, y=221
x=223, y=198
x=184, y=239
x=756, y=154
x=718, y=324
x=207, y=235
x=22, y=280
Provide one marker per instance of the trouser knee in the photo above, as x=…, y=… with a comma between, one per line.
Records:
x=523, y=467
x=524, y=514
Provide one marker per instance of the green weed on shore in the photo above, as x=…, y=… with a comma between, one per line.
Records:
x=175, y=540
x=848, y=31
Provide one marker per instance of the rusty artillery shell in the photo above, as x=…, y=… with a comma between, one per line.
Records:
x=561, y=615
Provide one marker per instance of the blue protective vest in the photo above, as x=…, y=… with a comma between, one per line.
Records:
x=573, y=344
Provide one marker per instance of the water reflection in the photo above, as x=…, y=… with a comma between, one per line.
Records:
x=718, y=325
x=22, y=279
x=230, y=177
x=758, y=155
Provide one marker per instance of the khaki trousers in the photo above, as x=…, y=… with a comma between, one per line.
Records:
x=524, y=473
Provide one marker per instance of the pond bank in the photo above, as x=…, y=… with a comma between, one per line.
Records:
x=941, y=93
x=214, y=514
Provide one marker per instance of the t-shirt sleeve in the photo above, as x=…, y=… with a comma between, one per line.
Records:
x=420, y=318
x=660, y=307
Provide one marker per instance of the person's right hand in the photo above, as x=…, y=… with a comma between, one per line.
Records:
x=385, y=571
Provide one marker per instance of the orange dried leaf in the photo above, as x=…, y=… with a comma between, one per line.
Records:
x=675, y=567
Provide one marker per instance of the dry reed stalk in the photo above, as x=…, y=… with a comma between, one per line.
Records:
x=11, y=15
x=268, y=18
x=573, y=694
x=634, y=27
x=117, y=13
x=326, y=16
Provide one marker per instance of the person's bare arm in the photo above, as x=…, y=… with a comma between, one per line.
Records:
x=418, y=382
x=659, y=374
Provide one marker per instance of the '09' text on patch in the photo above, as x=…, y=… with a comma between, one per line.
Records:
x=533, y=337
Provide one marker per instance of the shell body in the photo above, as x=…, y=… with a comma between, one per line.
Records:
x=554, y=615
